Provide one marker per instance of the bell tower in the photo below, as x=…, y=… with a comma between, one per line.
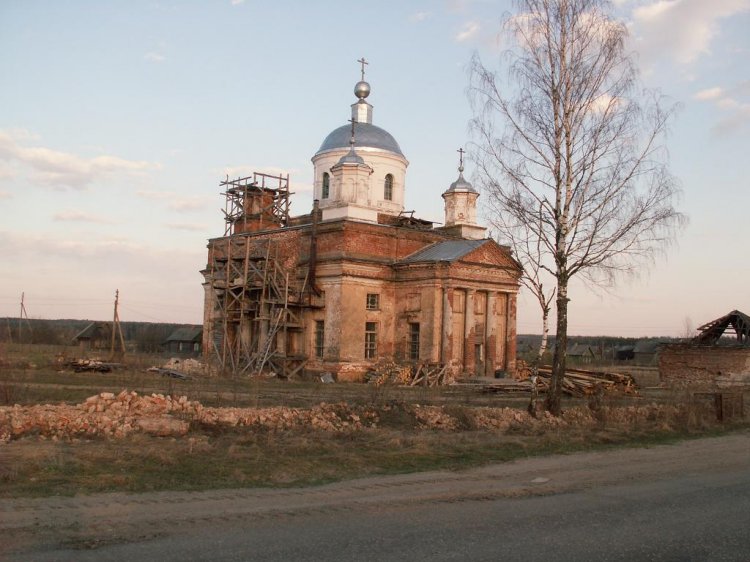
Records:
x=461, y=206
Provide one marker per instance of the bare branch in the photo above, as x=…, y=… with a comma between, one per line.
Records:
x=570, y=153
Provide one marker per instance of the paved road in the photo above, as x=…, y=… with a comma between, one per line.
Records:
x=689, y=501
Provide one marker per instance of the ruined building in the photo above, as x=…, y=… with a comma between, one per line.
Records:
x=358, y=279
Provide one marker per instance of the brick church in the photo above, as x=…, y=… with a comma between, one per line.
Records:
x=357, y=280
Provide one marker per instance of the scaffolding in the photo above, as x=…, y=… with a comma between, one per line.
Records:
x=255, y=202
x=256, y=318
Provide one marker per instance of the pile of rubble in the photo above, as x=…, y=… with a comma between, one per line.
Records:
x=180, y=368
x=104, y=414
x=90, y=365
x=110, y=415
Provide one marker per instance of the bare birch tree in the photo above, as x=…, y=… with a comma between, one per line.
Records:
x=570, y=154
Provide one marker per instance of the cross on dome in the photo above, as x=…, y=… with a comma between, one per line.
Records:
x=363, y=62
x=461, y=159
x=351, y=141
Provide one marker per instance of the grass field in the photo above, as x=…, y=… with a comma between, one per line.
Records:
x=225, y=457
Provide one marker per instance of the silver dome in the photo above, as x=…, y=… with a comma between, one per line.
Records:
x=461, y=184
x=365, y=135
x=351, y=157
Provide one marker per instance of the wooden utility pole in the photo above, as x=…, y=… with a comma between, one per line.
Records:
x=117, y=331
x=22, y=315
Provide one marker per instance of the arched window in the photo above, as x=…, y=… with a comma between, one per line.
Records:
x=326, y=186
x=388, y=188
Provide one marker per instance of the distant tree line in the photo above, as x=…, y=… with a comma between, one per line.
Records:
x=143, y=336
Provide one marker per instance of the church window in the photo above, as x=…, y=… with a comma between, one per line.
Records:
x=414, y=341
x=373, y=301
x=388, y=189
x=371, y=340
x=319, y=338
x=326, y=186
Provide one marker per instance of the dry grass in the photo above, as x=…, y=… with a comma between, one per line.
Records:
x=248, y=458
x=211, y=457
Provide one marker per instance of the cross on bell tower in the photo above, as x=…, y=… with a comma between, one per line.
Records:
x=461, y=205
x=351, y=140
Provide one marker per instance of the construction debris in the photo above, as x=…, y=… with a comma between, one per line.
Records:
x=580, y=382
x=425, y=374
x=110, y=415
x=94, y=365
x=169, y=373
x=187, y=366
x=577, y=382
x=179, y=368
x=117, y=416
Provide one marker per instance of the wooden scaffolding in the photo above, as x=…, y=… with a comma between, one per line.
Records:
x=256, y=322
x=255, y=202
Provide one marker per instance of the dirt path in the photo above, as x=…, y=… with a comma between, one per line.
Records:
x=38, y=525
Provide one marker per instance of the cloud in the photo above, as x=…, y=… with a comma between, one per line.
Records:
x=237, y=2
x=301, y=188
x=193, y=227
x=155, y=195
x=603, y=103
x=708, y=94
x=5, y=195
x=733, y=105
x=61, y=169
x=190, y=203
x=73, y=215
x=469, y=30
x=118, y=262
x=154, y=57
x=419, y=16
x=738, y=121
x=681, y=29
x=246, y=171
x=742, y=88
x=6, y=171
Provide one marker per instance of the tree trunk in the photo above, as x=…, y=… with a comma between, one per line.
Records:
x=545, y=335
x=554, y=395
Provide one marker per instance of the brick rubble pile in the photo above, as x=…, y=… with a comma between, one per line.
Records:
x=116, y=416
x=111, y=415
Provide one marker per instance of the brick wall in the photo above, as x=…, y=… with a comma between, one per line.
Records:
x=701, y=364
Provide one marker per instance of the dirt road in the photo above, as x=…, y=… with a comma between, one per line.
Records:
x=412, y=515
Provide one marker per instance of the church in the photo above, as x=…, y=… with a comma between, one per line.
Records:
x=358, y=280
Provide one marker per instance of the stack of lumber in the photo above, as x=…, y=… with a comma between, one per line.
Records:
x=427, y=374
x=82, y=365
x=580, y=382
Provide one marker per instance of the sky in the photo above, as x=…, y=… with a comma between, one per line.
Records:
x=118, y=120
